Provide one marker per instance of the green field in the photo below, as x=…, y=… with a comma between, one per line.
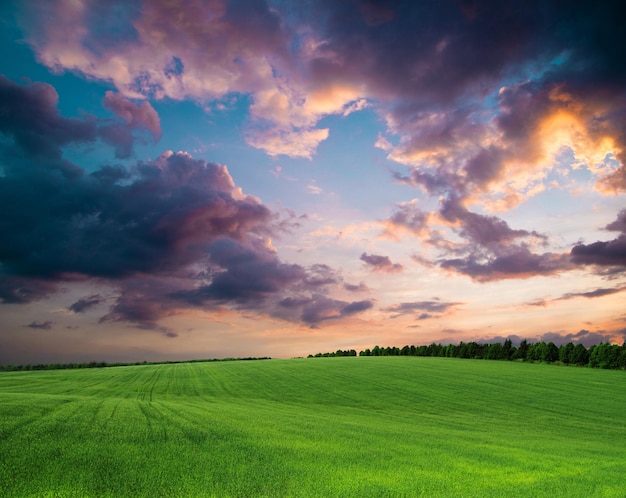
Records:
x=387, y=426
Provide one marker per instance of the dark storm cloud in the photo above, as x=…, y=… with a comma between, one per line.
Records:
x=431, y=51
x=30, y=118
x=29, y=115
x=244, y=275
x=92, y=225
x=15, y=289
x=253, y=278
x=168, y=234
x=380, y=263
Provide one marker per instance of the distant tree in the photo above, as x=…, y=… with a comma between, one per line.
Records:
x=621, y=362
x=522, y=351
x=604, y=355
x=536, y=351
x=566, y=353
x=507, y=349
x=580, y=355
x=550, y=353
x=495, y=352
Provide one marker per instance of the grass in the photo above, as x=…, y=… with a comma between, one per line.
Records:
x=388, y=426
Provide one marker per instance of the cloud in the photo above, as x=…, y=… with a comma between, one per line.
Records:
x=39, y=132
x=519, y=262
x=485, y=248
x=423, y=309
x=136, y=116
x=592, y=294
x=314, y=189
x=584, y=337
x=357, y=105
x=168, y=234
x=15, y=289
x=318, y=308
x=40, y=325
x=293, y=142
x=479, y=100
x=361, y=287
x=85, y=303
x=380, y=263
x=408, y=217
x=467, y=88
x=30, y=118
x=605, y=253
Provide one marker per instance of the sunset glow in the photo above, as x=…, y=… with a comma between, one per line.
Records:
x=207, y=179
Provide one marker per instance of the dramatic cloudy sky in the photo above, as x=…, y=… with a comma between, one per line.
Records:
x=193, y=179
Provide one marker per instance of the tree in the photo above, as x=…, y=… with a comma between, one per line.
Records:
x=495, y=352
x=550, y=353
x=508, y=349
x=580, y=356
x=522, y=351
x=566, y=353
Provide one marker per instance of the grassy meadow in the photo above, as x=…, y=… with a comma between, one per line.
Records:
x=385, y=426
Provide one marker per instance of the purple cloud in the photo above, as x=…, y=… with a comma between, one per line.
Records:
x=584, y=337
x=424, y=309
x=47, y=325
x=135, y=116
x=29, y=116
x=519, y=262
x=85, y=303
x=361, y=287
x=604, y=253
x=318, y=308
x=168, y=234
x=380, y=263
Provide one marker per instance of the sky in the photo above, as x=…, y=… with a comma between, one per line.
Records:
x=206, y=179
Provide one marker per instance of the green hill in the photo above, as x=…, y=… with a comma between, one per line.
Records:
x=386, y=426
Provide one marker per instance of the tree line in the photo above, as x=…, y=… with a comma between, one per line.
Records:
x=603, y=355
x=102, y=364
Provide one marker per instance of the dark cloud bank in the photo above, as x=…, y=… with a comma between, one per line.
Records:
x=167, y=234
